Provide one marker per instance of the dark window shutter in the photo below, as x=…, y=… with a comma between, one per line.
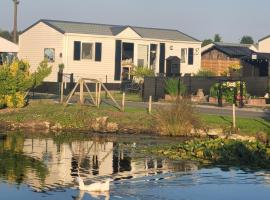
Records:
x=77, y=50
x=118, y=52
x=190, y=56
x=162, y=58
x=98, y=53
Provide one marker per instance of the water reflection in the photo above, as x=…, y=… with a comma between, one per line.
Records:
x=49, y=165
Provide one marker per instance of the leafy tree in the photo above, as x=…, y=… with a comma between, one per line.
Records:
x=217, y=38
x=247, y=40
x=206, y=42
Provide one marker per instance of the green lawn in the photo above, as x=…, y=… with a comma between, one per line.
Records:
x=247, y=126
x=76, y=116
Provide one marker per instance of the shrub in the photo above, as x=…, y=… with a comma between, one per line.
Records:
x=16, y=100
x=16, y=80
x=205, y=73
x=178, y=119
x=171, y=87
x=140, y=72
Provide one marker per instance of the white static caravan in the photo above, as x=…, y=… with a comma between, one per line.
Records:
x=264, y=44
x=105, y=51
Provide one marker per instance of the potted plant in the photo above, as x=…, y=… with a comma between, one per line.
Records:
x=61, y=67
x=172, y=89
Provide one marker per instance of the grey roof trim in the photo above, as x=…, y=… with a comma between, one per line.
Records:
x=264, y=38
x=126, y=29
x=222, y=48
x=113, y=30
x=43, y=21
x=189, y=36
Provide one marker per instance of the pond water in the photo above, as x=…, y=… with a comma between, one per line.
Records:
x=44, y=167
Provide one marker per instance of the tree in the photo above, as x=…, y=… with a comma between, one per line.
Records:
x=5, y=34
x=206, y=42
x=247, y=40
x=217, y=38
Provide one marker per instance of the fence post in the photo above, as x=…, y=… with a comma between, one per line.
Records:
x=99, y=94
x=241, y=104
x=123, y=101
x=219, y=95
x=150, y=105
x=156, y=96
x=106, y=94
x=190, y=87
x=179, y=87
x=62, y=93
x=81, y=92
x=96, y=95
x=234, y=117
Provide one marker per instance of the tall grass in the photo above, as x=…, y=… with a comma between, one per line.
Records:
x=178, y=119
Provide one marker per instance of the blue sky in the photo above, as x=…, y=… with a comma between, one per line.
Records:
x=198, y=18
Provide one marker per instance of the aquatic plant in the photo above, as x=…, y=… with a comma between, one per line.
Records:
x=219, y=151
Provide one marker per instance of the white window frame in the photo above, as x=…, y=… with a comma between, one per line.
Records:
x=186, y=50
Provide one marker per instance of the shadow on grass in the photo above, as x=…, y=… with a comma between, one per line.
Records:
x=226, y=120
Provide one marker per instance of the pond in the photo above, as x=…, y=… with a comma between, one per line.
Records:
x=44, y=167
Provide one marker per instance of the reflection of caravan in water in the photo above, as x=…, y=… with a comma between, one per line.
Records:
x=90, y=160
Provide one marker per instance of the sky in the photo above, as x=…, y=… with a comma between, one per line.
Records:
x=199, y=18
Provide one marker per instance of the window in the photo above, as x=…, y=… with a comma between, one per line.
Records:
x=190, y=56
x=87, y=50
x=49, y=54
x=142, y=55
x=183, y=55
x=77, y=50
x=153, y=56
x=98, y=53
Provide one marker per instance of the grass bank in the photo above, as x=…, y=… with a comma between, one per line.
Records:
x=79, y=117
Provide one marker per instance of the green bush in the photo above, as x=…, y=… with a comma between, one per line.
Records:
x=205, y=73
x=171, y=87
x=16, y=80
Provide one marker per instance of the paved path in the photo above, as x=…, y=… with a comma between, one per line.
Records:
x=207, y=109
